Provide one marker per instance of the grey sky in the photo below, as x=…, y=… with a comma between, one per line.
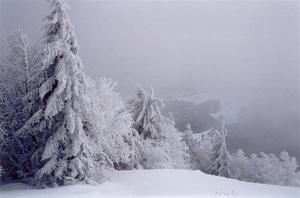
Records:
x=245, y=52
x=231, y=48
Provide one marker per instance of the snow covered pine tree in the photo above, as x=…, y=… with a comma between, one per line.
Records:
x=146, y=113
x=189, y=143
x=188, y=135
x=58, y=144
x=162, y=146
x=220, y=156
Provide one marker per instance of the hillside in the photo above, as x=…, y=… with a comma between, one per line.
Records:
x=155, y=183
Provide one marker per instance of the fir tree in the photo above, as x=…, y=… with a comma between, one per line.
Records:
x=188, y=136
x=265, y=168
x=145, y=110
x=238, y=162
x=220, y=156
x=56, y=140
x=189, y=143
x=289, y=175
x=162, y=146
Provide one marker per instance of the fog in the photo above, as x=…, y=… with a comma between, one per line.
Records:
x=242, y=52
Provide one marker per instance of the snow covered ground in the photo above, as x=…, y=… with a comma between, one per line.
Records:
x=155, y=183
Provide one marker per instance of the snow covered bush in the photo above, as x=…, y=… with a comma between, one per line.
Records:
x=120, y=141
x=162, y=145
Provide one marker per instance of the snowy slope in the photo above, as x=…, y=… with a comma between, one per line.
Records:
x=155, y=183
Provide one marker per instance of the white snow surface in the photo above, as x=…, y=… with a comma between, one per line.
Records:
x=155, y=183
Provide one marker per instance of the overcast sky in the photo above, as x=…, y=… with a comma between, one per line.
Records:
x=242, y=50
x=245, y=52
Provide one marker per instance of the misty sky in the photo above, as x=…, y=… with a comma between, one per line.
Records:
x=244, y=52
x=239, y=50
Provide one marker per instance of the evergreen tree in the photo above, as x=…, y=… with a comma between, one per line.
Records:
x=175, y=148
x=289, y=175
x=57, y=140
x=220, y=156
x=161, y=140
x=200, y=148
x=190, y=144
x=147, y=117
x=238, y=163
x=265, y=168
x=188, y=136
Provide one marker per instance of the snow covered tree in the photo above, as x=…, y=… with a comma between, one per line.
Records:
x=190, y=143
x=18, y=60
x=14, y=78
x=289, y=175
x=220, y=156
x=265, y=168
x=200, y=147
x=119, y=140
x=246, y=168
x=16, y=63
x=57, y=140
x=166, y=152
x=174, y=147
x=238, y=165
x=188, y=135
x=146, y=113
x=161, y=140
x=15, y=74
